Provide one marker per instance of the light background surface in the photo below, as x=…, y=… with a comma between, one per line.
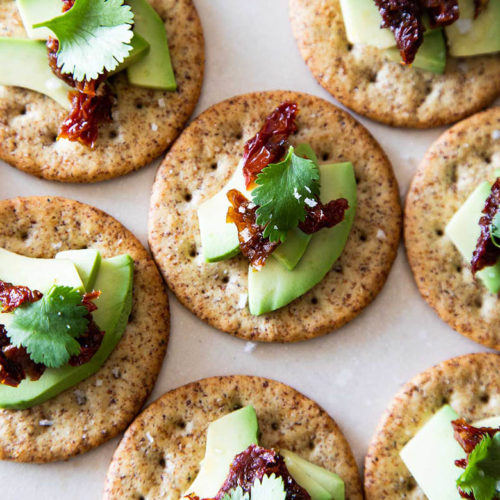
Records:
x=354, y=372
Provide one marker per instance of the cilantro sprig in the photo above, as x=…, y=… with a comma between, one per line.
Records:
x=482, y=475
x=282, y=191
x=270, y=488
x=93, y=36
x=48, y=328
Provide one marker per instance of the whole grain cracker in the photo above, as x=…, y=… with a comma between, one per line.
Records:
x=363, y=79
x=159, y=455
x=202, y=161
x=462, y=158
x=100, y=407
x=145, y=121
x=470, y=384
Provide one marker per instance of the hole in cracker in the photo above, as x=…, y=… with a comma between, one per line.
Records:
x=23, y=111
x=486, y=158
x=53, y=138
x=239, y=136
x=192, y=251
x=275, y=426
x=113, y=134
x=411, y=484
x=311, y=445
x=337, y=267
x=139, y=105
x=325, y=156
x=372, y=77
x=439, y=232
x=478, y=302
x=362, y=237
x=225, y=279
x=180, y=424
x=453, y=174
x=349, y=47
x=314, y=301
x=162, y=462
x=188, y=197
x=458, y=268
x=445, y=400
x=484, y=398
x=24, y=235
x=213, y=166
x=141, y=497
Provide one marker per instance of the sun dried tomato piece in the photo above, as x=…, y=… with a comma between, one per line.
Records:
x=271, y=142
x=253, y=464
x=322, y=215
x=15, y=363
x=404, y=18
x=67, y=4
x=468, y=436
x=12, y=296
x=253, y=245
x=486, y=253
x=87, y=112
x=441, y=12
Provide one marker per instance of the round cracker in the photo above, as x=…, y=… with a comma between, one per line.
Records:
x=470, y=384
x=159, y=455
x=101, y=406
x=462, y=158
x=202, y=161
x=363, y=79
x=145, y=121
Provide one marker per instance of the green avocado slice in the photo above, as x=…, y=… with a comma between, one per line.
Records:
x=226, y=437
x=471, y=37
x=274, y=286
x=155, y=69
x=431, y=55
x=37, y=11
x=24, y=64
x=87, y=262
x=430, y=456
x=115, y=280
x=320, y=483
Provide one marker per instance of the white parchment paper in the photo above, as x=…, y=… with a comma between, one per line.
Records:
x=354, y=372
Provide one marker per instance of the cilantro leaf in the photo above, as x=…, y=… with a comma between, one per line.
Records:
x=269, y=488
x=483, y=470
x=93, y=36
x=495, y=230
x=48, y=328
x=236, y=494
x=281, y=193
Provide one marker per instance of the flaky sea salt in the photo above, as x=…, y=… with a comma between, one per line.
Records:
x=81, y=399
x=296, y=194
x=242, y=301
x=310, y=202
x=154, y=127
x=161, y=102
x=150, y=437
x=495, y=135
x=45, y=423
x=116, y=372
x=381, y=235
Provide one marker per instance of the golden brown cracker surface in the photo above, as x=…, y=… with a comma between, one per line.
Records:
x=202, y=161
x=159, y=455
x=462, y=158
x=145, y=121
x=470, y=384
x=101, y=406
x=364, y=80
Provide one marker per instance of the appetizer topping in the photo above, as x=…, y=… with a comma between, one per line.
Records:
x=253, y=464
x=404, y=18
x=487, y=249
x=441, y=12
x=253, y=244
x=12, y=296
x=481, y=478
x=319, y=215
x=51, y=331
x=271, y=142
